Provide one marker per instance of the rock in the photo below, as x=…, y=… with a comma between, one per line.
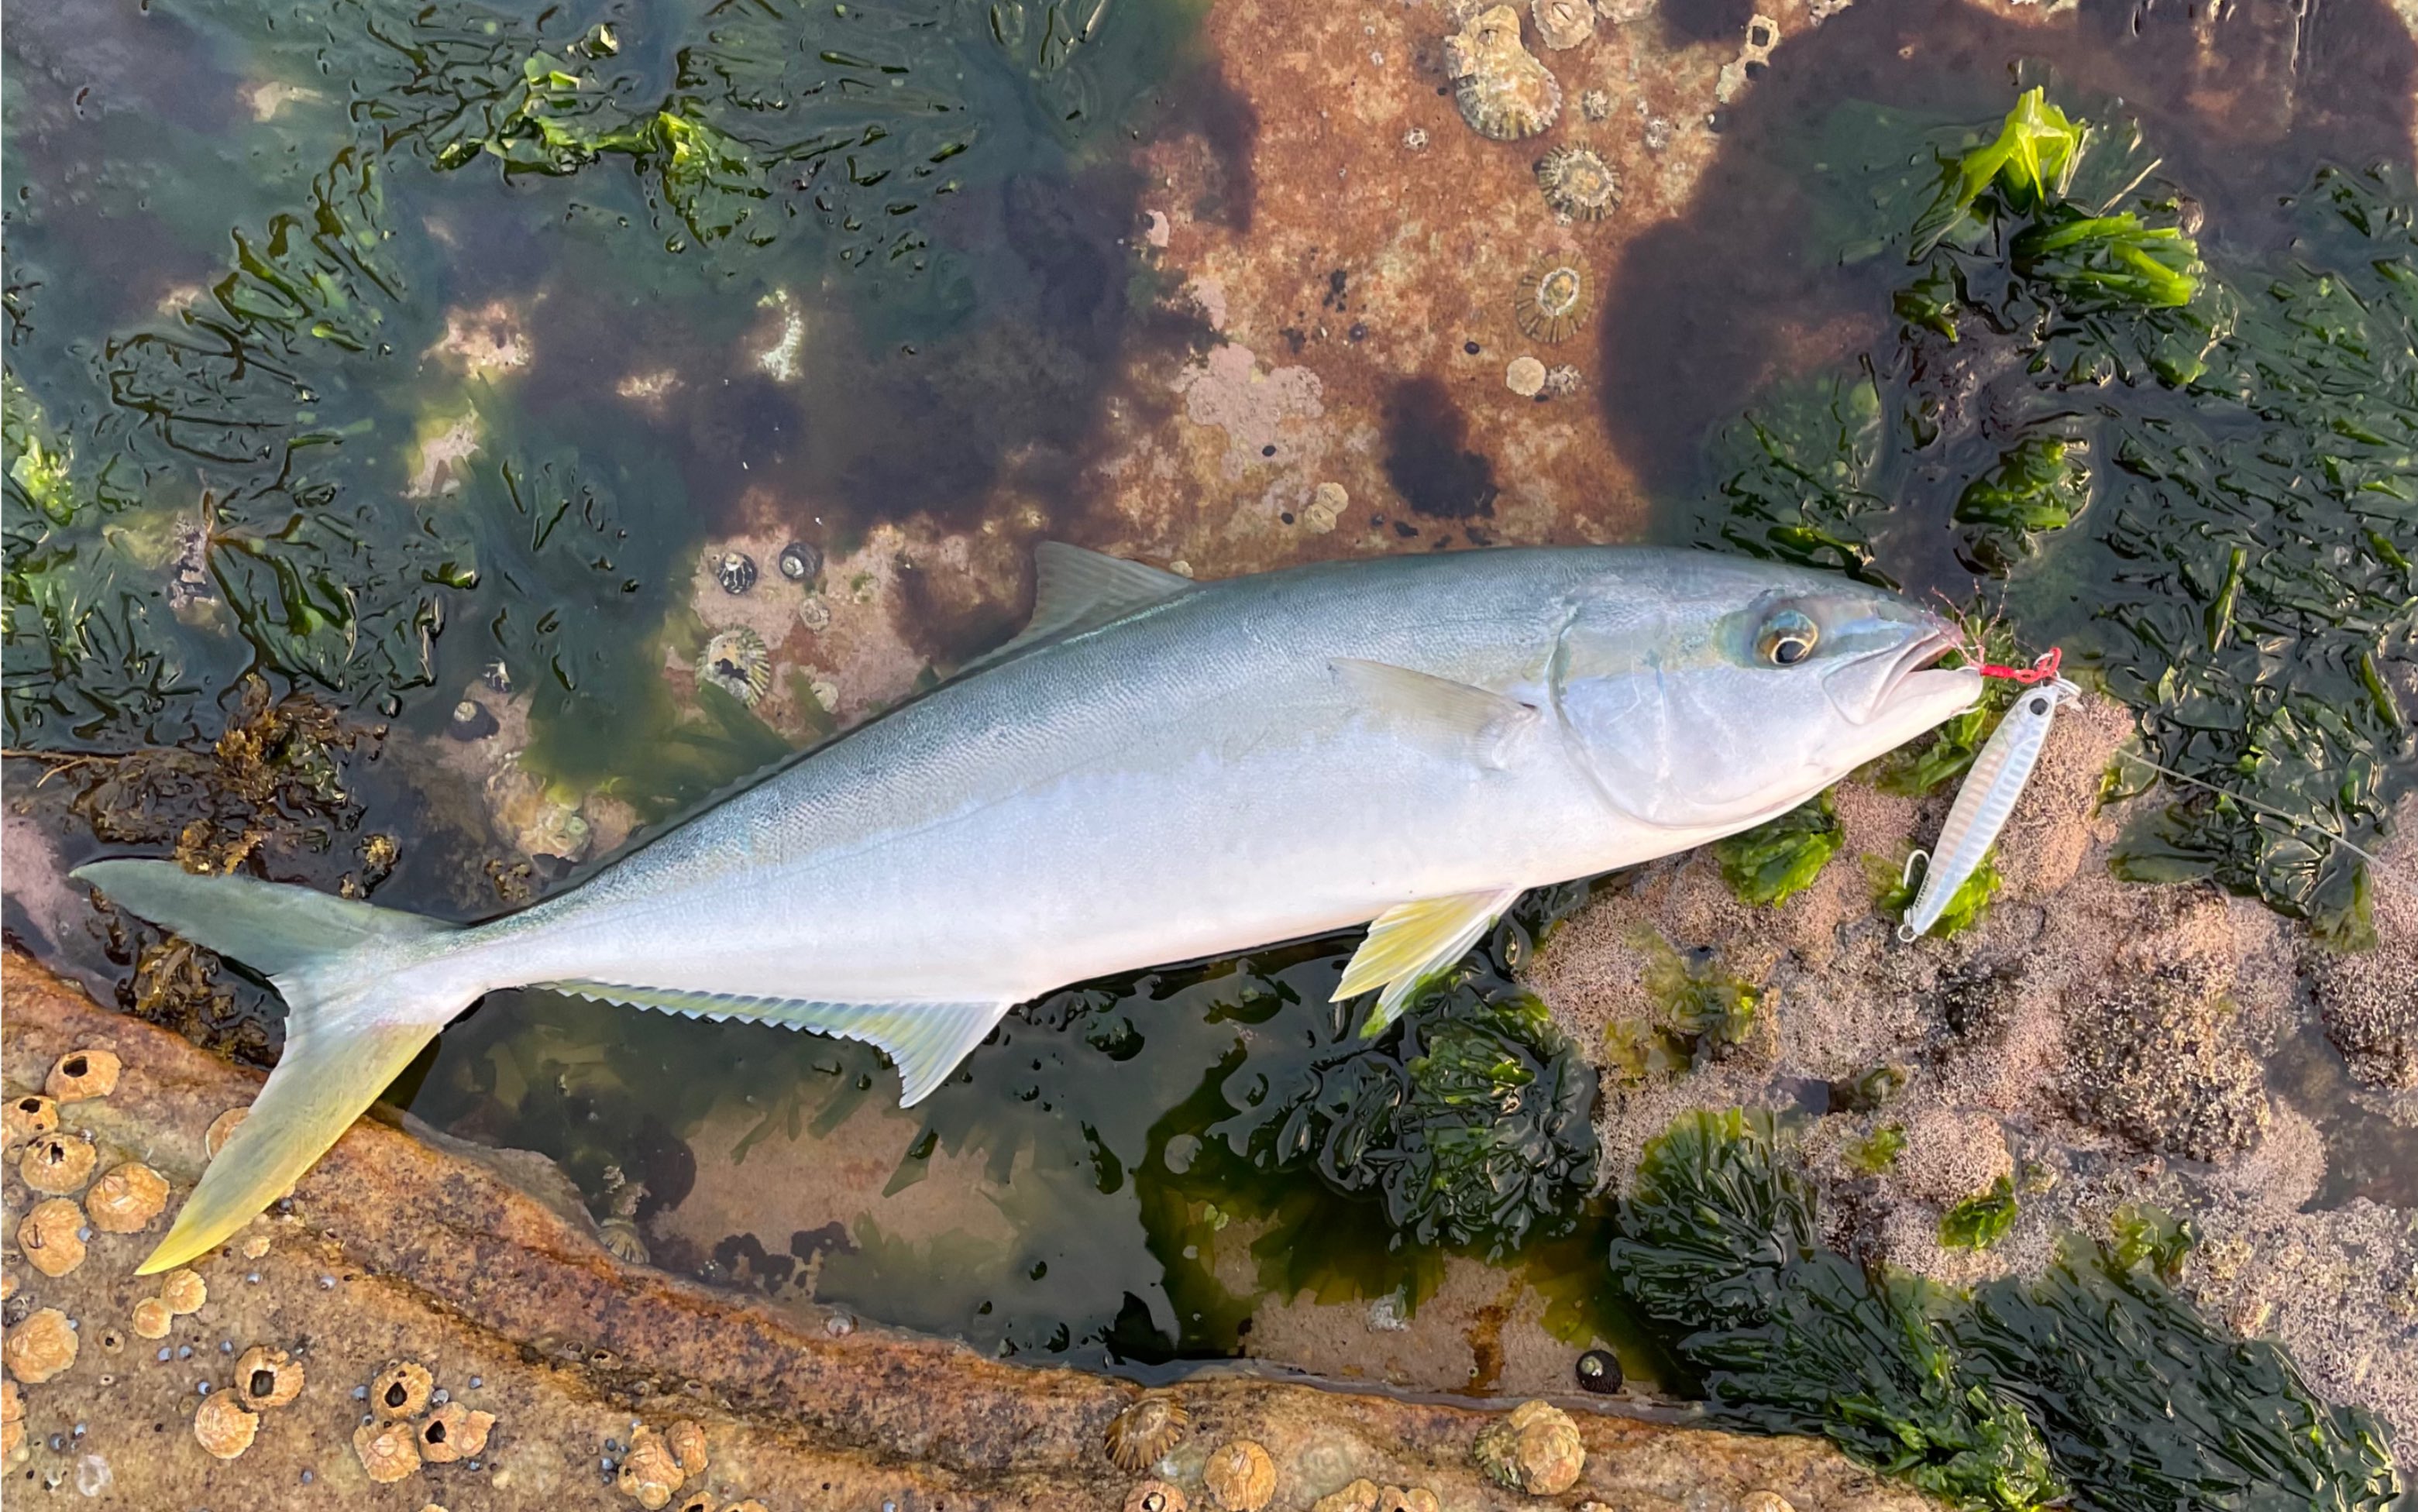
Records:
x=1535, y=1448
x=2158, y=1059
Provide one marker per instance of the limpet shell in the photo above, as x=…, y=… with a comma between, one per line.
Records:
x=48, y=1237
x=650, y=1473
x=401, y=1390
x=453, y=1432
x=1503, y=91
x=1551, y=300
x=152, y=1319
x=183, y=1291
x=30, y=1116
x=57, y=1163
x=265, y=1378
x=1535, y=1448
x=1144, y=1432
x=224, y=1425
x=83, y=1074
x=1155, y=1496
x=1240, y=1476
x=737, y=661
x=1578, y=183
x=389, y=1451
x=126, y=1199
x=41, y=1347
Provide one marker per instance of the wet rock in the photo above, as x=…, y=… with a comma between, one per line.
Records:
x=2158, y=1059
x=1535, y=1448
x=49, y=1239
x=126, y=1199
x=41, y=1347
x=1143, y=1433
x=1240, y=1476
x=1503, y=91
x=1949, y=1156
x=2369, y=1003
x=224, y=1425
x=81, y=1074
x=57, y=1164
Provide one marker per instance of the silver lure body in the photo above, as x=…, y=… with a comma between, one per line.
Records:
x=1985, y=801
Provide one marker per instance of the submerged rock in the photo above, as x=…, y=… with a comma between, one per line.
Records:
x=1503, y=91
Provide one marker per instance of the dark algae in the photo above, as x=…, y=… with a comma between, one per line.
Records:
x=2192, y=469
x=2096, y=1385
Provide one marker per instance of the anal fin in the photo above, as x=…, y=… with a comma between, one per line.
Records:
x=926, y=1039
x=1411, y=943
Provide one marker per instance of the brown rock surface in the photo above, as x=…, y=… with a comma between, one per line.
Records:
x=391, y=1249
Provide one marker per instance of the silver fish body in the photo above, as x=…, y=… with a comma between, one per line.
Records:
x=1985, y=800
x=1157, y=769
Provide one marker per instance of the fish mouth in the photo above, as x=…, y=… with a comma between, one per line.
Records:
x=1916, y=671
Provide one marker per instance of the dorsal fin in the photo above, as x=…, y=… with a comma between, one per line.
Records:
x=1075, y=589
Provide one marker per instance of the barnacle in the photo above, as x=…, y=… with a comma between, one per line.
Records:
x=1563, y=24
x=82, y=1074
x=389, y=1451
x=687, y=1443
x=1144, y=1432
x=41, y=1347
x=12, y=1420
x=649, y=1471
x=1535, y=1448
x=48, y=1236
x=1578, y=183
x=1155, y=1496
x=222, y=1128
x=224, y=1425
x=126, y=1199
x=267, y=1378
x=57, y=1163
x=1503, y=91
x=152, y=1319
x=1551, y=299
x=1240, y=1476
x=1525, y=376
x=183, y=1291
x=401, y=1390
x=737, y=661
x=29, y=1116
x=452, y=1432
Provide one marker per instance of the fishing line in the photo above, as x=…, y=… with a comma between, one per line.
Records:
x=2268, y=809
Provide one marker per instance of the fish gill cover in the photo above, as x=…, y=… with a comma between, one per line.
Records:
x=2196, y=470
x=2096, y=1385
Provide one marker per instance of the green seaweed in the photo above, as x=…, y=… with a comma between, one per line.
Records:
x=1778, y=859
x=1876, y=1151
x=2027, y=167
x=2042, y=482
x=2096, y=1384
x=1981, y=1220
x=1699, y=1010
x=1895, y=886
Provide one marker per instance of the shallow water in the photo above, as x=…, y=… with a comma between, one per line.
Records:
x=467, y=431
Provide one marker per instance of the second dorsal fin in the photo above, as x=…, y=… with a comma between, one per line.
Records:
x=1075, y=589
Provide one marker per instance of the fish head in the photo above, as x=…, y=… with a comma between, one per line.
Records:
x=1722, y=691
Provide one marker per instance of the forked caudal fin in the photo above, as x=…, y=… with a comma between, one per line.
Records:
x=356, y=1020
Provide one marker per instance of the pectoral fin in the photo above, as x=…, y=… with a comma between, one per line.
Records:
x=1455, y=719
x=1411, y=943
x=926, y=1040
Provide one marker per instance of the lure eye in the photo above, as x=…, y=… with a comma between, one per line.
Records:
x=1788, y=638
x=2040, y=705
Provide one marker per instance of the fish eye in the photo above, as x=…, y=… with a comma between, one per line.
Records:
x=1788, y=638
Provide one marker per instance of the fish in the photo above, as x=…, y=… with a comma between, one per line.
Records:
x=1984, y=802
x=1155, y=770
